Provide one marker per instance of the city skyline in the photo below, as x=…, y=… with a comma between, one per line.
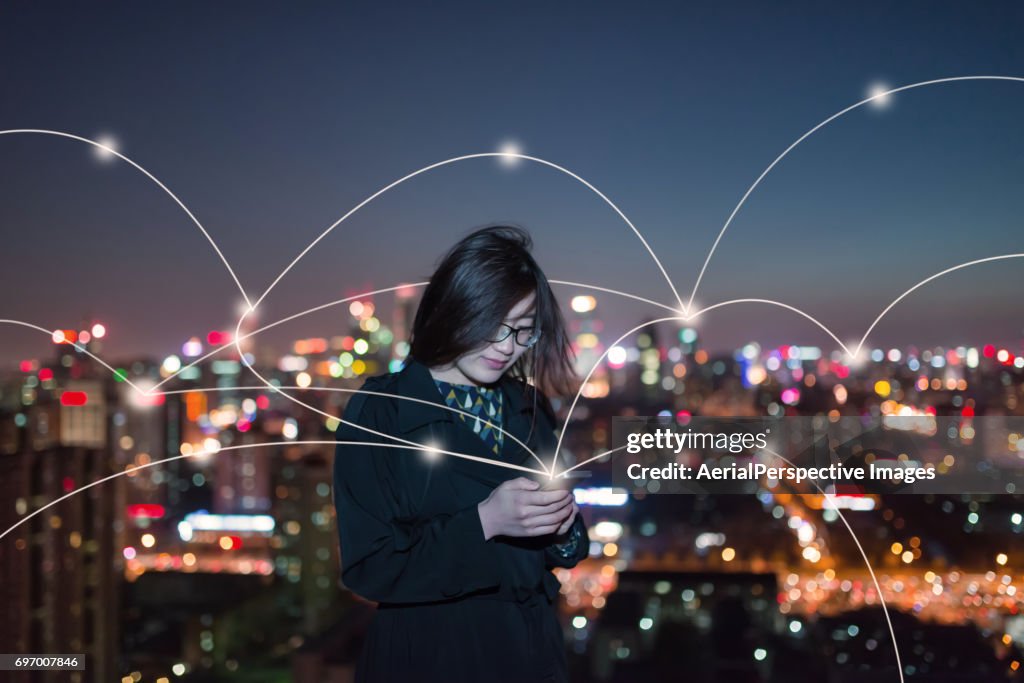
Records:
x=225, y=483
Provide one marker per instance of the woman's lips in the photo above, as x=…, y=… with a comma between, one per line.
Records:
x=494, y=364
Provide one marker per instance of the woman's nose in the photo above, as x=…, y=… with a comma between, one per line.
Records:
x=507, y=346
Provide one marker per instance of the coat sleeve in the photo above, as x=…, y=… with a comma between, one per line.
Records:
x=389, y=553
x=567, y=550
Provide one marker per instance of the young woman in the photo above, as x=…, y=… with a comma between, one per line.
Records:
x=458, y=552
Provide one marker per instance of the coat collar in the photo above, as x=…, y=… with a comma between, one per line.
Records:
x=415, y=381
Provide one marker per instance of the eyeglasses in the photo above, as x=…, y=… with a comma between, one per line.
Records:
x=525, y=336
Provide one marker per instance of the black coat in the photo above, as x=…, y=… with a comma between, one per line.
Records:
x=452, y=606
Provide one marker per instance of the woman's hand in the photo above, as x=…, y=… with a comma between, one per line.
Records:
x=519, y=508
x=567, y=524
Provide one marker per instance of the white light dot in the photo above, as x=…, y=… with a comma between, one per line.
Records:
x=510, y=148
x=881, y=100
x=431, y=452
x=242, y=308
x=108, y=146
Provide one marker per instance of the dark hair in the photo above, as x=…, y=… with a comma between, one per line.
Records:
x=476, y=284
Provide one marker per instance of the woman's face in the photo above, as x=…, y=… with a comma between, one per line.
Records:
x=487, y=364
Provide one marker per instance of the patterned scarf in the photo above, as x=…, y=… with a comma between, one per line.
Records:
x=483, y=402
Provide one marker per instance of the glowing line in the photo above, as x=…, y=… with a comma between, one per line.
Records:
x=381, y=291
x=464, y=158
x=153, y=391
x=408, y=444
x=262, y=387
x=279, y=322
x=811, y=132
x=572, y=406
x=362, y=427
x=926, y=281
x=881, y=598
x=149, y=175
x=423, y=284
x=831, y=503
x=587, y=461
x=686, y=318
x=49, y=333
x=419, y=447
x=615, y=291
x=554, y=463
x=237, y=339
x=774, y=303
x=683, y=308
x=328, y=415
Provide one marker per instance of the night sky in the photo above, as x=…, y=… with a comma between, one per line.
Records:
x=270, y=121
